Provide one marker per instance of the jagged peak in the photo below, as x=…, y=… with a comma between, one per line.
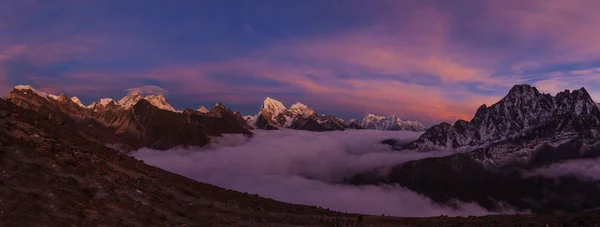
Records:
x=298, y=105
x=273, y=106
x=30, y=88
x=202, y=109
x=103, y=102
x=130, y=99
x=583, y=92
x=301, y=109
x=522, y=89
x=76, y=100
x=63, y=97
x=372, y=115
x=160, y=101
x=272, y=103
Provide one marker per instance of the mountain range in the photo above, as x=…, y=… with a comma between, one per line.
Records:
x=134, y=121
x=273, y=115
x=524, y=131
x=513, y=130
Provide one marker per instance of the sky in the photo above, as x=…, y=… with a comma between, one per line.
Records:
x=427, y=60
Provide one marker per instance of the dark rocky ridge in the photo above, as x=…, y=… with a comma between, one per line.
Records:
x=143, y=125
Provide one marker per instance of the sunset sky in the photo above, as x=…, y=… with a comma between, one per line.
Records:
x=425, y=60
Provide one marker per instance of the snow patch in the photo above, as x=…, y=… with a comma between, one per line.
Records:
x=29, y=88
x=160, y=101
x=203, y=110
x=77, y=101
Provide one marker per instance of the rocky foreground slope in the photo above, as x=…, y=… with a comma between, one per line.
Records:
x=51, y=175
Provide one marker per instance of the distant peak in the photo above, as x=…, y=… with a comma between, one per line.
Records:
x=582, y=91
x=130, y=99
x=160, y=101
x=202, y=109
x=63, y=97
x=30, y=88
x=76, y=100
x=298, y=105
x=159, y=96
x=24, y=87
x=301, y=109
x=523, y=89
x=270, y=103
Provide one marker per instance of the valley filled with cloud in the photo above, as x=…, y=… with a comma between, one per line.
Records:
x=306, y=168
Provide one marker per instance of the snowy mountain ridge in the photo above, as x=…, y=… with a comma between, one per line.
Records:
x=274, y=114
x=126, y=102
x=390, y=123
x=514, y=128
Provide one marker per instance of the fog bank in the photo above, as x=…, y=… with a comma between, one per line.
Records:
x=303, y=167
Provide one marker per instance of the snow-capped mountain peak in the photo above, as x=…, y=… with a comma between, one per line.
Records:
x=301, y=109
x=271, y=109
x=26, y=88
x=160, y=101
x=105, y=101
x=77, y=101
x=202, y=109
x=130, y=99
x=390, y=123
x=102, y=103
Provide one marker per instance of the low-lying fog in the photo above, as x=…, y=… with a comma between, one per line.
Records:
x=302, y=167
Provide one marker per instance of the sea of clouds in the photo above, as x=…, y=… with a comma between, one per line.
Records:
x=306, y=168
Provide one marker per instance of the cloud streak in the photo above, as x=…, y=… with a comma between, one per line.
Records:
x=588, y=169
x=282, y=165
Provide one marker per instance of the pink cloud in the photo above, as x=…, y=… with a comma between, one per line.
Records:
x=559, y=81
x=399, y=44
x=563, y=31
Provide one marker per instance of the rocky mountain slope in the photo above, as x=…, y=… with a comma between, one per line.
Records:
x=523, y=131
x=273, y=114
x=135, y=122
x=514, y=129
